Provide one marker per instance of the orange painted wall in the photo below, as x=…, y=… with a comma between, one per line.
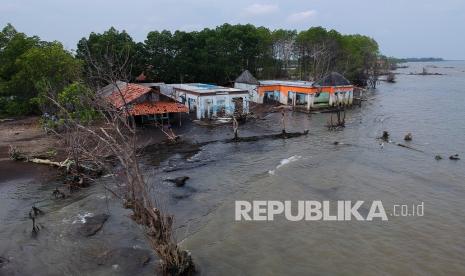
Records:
x=284, y=89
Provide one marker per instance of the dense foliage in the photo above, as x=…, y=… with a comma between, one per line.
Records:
x=219, y=55
x=32, y=70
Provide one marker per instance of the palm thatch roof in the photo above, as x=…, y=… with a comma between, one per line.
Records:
x=246, y=77
x=332, y=79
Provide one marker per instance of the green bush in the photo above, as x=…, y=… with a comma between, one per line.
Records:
x=17, y=107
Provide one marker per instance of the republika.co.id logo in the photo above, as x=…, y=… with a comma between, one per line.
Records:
x=310, y=210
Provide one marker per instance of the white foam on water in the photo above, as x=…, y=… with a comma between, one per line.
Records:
x=81, y=218
x=284, y=162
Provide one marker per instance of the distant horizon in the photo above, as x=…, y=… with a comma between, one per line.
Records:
x=415, y=28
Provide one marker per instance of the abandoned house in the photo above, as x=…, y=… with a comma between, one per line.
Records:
x=146, y=104
x=209, y=101
x=332, y=90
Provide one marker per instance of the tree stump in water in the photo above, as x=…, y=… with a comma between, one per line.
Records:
x=385, y=136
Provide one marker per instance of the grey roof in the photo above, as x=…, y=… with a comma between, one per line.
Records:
x=246, y=77
x=296, y=83
x=151, y=84
x=332, y=79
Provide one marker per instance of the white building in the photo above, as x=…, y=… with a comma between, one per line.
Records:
x=210, y=101
x=247, y=81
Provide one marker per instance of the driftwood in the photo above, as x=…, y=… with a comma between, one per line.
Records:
x=64, y=164
x=408, y=147
x=283, y=135
x=17, y=155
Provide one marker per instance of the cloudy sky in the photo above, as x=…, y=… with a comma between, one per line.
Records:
x=403, y=28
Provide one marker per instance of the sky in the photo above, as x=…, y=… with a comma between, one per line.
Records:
x=402, y=28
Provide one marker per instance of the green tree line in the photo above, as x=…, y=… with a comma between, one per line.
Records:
x=31, y=70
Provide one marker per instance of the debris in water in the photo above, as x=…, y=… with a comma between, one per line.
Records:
x=58, y=194
x=178, y=181
x=408, y=147
x=3, y=261
x=454, y=157
x=93, y=225
x=408, y=137
x=385, y=136
x=32, y=215
x=438, y=157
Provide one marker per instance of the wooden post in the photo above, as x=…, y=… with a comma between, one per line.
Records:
x=235, y=128
x=283, y=121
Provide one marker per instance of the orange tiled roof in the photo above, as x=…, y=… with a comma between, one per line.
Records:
x=147, y=108
x=130, y=92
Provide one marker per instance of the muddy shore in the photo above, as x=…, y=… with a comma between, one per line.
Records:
x=23, y=185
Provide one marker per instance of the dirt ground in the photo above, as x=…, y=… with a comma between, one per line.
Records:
x=27, y=135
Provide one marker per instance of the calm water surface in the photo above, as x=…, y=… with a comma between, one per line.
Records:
x=430, y=107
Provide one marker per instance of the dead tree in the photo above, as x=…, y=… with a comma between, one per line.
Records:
x=114, y=135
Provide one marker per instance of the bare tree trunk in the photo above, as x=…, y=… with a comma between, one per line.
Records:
x=115, y=135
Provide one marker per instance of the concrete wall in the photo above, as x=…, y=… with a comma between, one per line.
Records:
x=252, y=88
x=209, y=106
x=342, y=95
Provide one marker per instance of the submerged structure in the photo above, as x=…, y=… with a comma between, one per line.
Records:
x=207, y=101
x=332, y=90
